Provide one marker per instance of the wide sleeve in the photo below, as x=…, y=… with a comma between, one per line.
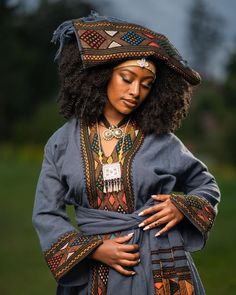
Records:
x=197, y=199
x=64, y=247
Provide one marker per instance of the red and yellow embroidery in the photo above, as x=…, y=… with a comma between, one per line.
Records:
x=123, y=201
x=68, y=251
x=173, y=281
x=198, y=210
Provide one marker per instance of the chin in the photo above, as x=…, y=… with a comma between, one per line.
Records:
x=126, y=112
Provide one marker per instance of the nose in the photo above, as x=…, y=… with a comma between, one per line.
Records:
x=135, y=89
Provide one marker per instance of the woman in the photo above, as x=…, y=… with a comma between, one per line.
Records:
x=124, y=90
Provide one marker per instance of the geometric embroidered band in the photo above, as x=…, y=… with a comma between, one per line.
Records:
x=105, y=40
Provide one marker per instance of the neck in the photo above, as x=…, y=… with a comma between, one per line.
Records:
x=113, y=118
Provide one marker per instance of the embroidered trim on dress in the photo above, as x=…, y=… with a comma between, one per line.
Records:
x=68, y=251
x=94, y=186
x=127, y=176
x=198, y=210
x=87, y=155
x=173, y=281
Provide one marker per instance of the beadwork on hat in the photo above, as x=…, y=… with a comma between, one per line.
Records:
x=102, y=40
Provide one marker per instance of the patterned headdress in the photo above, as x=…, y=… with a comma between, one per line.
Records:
x=102, y=40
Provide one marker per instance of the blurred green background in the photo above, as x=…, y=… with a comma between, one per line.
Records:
x=28, y=116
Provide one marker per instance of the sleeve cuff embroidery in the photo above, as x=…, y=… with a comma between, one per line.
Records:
x=198, y=210
x=68, y=251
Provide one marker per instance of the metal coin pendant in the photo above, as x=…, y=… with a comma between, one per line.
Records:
x=112, y=177
x=107, y=134
x=118, y=133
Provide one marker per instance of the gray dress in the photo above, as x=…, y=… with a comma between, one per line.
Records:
x=156, y=164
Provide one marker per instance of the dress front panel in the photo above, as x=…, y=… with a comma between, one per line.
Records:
x=109, y=201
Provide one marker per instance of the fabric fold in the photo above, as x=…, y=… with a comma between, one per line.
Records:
x=93, y=221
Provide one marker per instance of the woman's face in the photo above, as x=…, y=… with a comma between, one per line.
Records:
x=128, y=87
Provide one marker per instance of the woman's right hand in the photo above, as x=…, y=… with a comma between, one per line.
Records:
x=117, y=254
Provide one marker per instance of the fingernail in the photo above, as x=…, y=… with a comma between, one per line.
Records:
x=141, y=224
x=157, y=234
x=153, y=196
x=139, y=260
x=146, y=227
x=133, y=273
x=140, y=214
x=131, y=234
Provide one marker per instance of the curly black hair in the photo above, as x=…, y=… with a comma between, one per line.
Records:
x=83, y=94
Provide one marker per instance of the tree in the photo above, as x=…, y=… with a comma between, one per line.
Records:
x=204, y=34
x=230, y=103
x=28, y=73
x=230, y=82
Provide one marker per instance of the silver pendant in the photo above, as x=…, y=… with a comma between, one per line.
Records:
x=107, y=134
x=117, y=132
x=112, y=177
x=112, y=132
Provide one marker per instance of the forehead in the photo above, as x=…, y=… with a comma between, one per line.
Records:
x=136, y=71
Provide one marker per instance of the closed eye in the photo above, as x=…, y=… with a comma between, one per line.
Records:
x=148, y=85
x=145, y=85
x=126, y=80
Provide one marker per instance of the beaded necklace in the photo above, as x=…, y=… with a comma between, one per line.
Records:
x=111, y=172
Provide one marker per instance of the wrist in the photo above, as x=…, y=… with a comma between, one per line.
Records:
x=94, y=254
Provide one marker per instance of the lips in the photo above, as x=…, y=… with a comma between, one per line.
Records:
x=130, y=102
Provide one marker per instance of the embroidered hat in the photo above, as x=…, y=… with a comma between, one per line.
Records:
x=104, y=39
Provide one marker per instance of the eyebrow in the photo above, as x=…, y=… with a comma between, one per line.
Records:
x=145, y=77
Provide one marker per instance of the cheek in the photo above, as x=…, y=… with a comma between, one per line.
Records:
x=110, y=91
x=144, y=95
x=114, y=88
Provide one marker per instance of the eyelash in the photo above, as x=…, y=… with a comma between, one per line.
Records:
x=145, y=86
x=126, y=80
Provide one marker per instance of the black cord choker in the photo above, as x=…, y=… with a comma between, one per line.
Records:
x=113, y=130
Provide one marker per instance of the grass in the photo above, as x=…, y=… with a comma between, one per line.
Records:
x=22, y=268
x=216, y=263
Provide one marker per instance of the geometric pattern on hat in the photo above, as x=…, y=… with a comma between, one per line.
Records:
x=114, y=44
x=132, y=38
x=102, y=42
x=111, y=33
x=105, y=40
x=92, y=38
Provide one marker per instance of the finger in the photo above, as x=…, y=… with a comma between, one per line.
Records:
x=158, y=222
x=123, y=239
x=151, y=210
x=129, y=263
x=130, y=256
x=128, y=248
x=161, y=197
x=123, y=271
x=153, y=218
x=165, y=229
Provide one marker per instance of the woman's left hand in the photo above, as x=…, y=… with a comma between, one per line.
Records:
x=163, y=213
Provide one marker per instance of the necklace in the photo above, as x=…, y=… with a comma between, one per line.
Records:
x=112, y=180
x=112, y=130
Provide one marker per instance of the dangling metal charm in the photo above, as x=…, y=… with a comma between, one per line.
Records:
x=112, y=181
x=112, y=177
